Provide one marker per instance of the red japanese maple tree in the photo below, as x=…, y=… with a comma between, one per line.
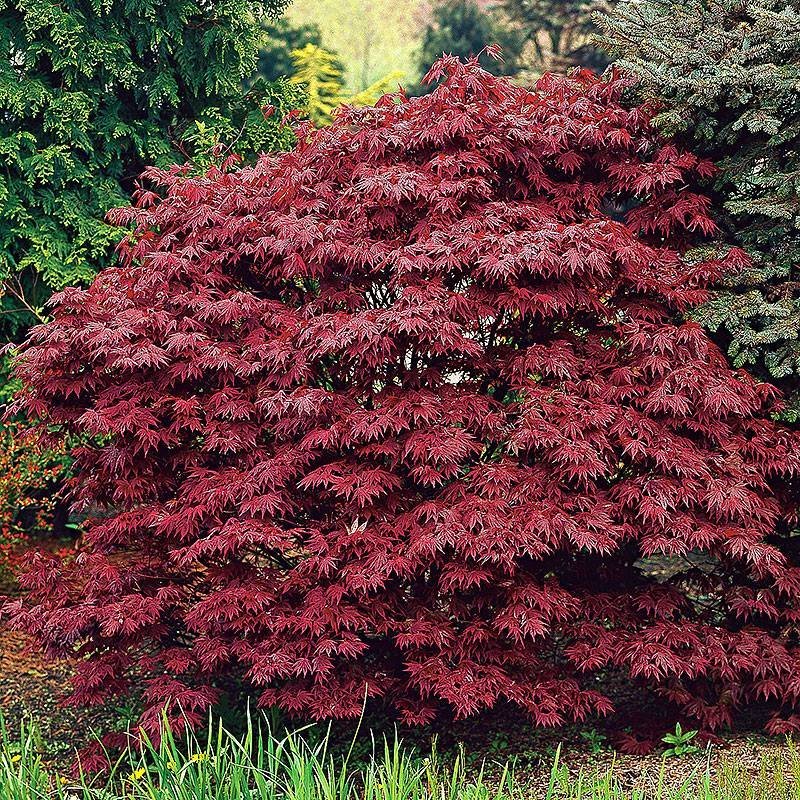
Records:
x=405, y=412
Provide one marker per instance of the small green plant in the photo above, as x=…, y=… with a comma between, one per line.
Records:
x=680, y=742
x=594, y=739
x=499, y=743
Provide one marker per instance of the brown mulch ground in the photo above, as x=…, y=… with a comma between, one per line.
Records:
x=33, y=690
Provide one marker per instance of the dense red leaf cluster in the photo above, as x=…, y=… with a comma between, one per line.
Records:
x=406, y=413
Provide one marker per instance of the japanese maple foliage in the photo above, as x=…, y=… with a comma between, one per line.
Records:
x=404, y=413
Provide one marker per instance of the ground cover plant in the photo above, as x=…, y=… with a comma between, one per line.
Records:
x=400, y=415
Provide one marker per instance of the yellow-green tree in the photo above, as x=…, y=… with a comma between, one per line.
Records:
x=320, y=73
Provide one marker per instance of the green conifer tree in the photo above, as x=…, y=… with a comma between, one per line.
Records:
x=92, y=92
x=322, y=77
x=727, y=75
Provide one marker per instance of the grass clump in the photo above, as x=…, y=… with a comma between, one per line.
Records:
x=260, y=765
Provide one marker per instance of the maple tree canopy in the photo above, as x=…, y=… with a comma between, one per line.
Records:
x=404, y=412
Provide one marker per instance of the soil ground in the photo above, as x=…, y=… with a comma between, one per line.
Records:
x=31, y=689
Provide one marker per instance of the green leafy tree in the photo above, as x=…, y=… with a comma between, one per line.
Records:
x=90, y=94
x=726, y=73
x=463, y=28
x=320, y=74
x=560, y=32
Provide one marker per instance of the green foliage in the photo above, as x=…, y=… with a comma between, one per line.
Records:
x=727, y=73
x=680, y=743
x=560, y=32
x=462, y=28
x=369, y=96
x=595, y=740
x=320, y=75
x=90, y=93
x=317, y=71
